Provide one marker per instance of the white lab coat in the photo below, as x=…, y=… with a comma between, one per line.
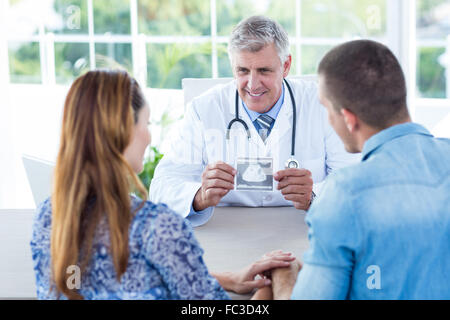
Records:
x=201, y=140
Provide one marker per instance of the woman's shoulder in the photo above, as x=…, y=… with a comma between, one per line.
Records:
x=149, y=209
x=43, y=213
x=157, y=215
x=42, y=221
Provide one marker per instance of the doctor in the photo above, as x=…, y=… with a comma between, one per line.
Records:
x=258, y=115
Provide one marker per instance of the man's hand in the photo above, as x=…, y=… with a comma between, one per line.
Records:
x=284, y=279
x=276, y=254
x=244, y=281
x=217, y=181
x=296, y=185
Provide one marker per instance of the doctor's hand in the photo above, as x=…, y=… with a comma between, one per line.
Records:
x=217, y=181
x=296, y=185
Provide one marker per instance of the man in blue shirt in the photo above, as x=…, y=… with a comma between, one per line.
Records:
x=381, y=228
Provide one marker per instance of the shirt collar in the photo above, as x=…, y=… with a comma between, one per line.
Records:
x=273, y=113
x=384, y=136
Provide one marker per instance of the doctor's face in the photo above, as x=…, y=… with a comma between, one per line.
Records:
x=259, y=77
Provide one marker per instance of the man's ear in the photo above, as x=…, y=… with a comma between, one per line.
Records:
x=287, y=66
x=350, y=119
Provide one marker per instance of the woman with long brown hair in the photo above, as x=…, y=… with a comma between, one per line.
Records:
x=95, y=238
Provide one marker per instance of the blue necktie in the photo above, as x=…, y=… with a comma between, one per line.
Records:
x=265, y=122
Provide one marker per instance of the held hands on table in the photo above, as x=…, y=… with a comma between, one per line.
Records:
x=218, y=179
x=260, y=275
x=283, y=280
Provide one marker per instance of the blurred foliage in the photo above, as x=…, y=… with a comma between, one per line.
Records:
x=112, y=16
x=168, y=63
x=223, y=62
x=230, y=12
x=425, y=8
x=311, y=56
x=24, y=62
x=150, y=164
x=343, y=18
x=174, y=17
x=114, y=56
x=433, y=19
x=71, y=61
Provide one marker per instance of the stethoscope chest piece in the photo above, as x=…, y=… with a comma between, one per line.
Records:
x=292, y=163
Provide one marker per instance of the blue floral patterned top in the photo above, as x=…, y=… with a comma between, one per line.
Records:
x=165, y=259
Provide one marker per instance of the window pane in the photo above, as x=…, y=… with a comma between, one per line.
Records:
x=224, y=65
x=67, y=17
x=433, y=19
x=311, y=57
x=430, y=73
x=231, y=12
x=343, y=18
x=72, y=60
x=167, y=64
x=293, y=70
x=112, y=16
x=174, y=17
x=433, y=30
x=24, y=62
x=113, y=56
x=24, y=17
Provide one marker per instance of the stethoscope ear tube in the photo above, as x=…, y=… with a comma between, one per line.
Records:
x=294, y=118
x=294, y=123
x=241, y=122
x=237, y=119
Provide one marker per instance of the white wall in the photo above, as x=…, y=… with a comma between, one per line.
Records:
x=34, y=125
x=6, y=115
x=30, y=124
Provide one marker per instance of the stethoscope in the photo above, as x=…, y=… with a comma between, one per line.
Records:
x=291, y=162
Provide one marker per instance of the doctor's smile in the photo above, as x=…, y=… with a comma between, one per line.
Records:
x=256, y=95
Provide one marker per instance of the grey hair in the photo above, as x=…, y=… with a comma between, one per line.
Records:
x=254, y=33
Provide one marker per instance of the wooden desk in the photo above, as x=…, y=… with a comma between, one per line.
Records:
x=236, y=237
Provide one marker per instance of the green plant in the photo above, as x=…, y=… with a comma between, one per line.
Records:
x=150, y=164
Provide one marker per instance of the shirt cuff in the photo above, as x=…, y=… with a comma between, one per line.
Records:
x=195, y=213
x=201, y=217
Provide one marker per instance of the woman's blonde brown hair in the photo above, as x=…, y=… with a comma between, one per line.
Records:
x=92, y=179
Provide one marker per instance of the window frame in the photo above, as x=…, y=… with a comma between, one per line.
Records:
x=400, y=36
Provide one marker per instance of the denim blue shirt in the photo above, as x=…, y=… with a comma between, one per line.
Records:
x=165, y=261
x=381, y=228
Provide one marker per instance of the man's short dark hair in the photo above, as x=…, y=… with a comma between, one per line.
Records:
x=366, y=78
